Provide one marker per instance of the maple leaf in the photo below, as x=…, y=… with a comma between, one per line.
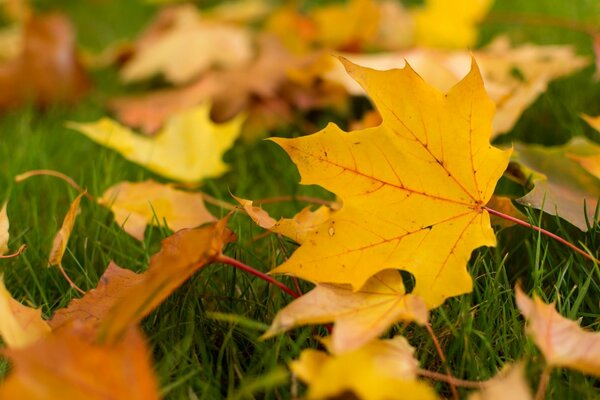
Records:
x=562, y=341
x=359, y=316
x=20, y=325
x=412, y=189
x=61, y=238
x=68, y=366
x=449, y=24
x=46, y=70
x=382, y=369
x=181, y=255
x=137, y=204
x=181, y=45
x=296, y=228
x=97, y=302
x=561, y=186
x=189, y=147
x=509, y=380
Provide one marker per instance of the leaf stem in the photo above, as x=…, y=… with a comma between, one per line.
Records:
x=218, y=202
x=543, y=385
x=17, y=253
x=73, y=285
x=304, y=199
x=445, y=378
x=449, y=378
x=543, y=231
x=246, y=268
x=49, y=172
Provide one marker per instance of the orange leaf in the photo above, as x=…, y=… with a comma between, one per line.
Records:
x=62, y=237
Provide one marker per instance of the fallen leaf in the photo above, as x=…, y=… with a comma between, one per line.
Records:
x=412, y=189
x=396, y=27
x=562, y=341
x=137, y=204
x=4, y=226
x=62, y=236
x=445, y=24
x=68, y=366
x=181, y=255
x=512, y=93
x=504, y=205
x=560, y=185
x=189, y=147
x=509, y=380
x=359, y=317
x=46, y=69
x=382, y=369
x=296, y=228
x=20, y=325
x=180, y=44
x=588, y=156
x=96, y=303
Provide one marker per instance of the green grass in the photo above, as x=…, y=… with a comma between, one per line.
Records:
x=205, y=337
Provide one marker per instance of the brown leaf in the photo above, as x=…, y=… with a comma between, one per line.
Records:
x=136, y=204
x=562, y=341
x=96, y=303
x=47, y=69
x=180, y=256
x=62, y=236
x=68, y=366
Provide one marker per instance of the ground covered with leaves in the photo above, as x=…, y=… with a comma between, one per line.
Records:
x=425, y=206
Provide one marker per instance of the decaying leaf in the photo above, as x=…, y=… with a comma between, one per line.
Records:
x=380, y=370
x=181, y=254
x=136, y=204
x=189, y=147
x=62, y=236
x=509, y=380
x=561, y=186
x=359, y=317
x=449, y=24
x=512, y=92
x=20, y=325
x=412, y=189
x=96, y=303
x=67, y=365
x=562, y=341
x=296, y=228
x=181, y=44
x=4, y=226
x=46, y=70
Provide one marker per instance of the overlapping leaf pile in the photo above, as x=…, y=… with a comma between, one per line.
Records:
x=416, y=185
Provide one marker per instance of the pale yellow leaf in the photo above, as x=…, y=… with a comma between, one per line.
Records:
x=188, y=148
x=562, y=341
x=4, y=226
x=62, y=236
x=510, y=380
x=382, y=369
x=20, y=325
x=359, y=317
x=137, y=204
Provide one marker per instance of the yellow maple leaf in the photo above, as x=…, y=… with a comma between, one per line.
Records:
x=188, y=148
x=562, y=341
x=359, y=316
x=382, y=369
x=413, y=188
x=449, y=24
x=135, y=204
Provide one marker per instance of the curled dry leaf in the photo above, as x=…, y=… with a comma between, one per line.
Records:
x=382, y=369
x=136, y=204
x=4, y=226
x=62, y=236
x=20, y=325
x=561, y=185
x=181, y=44
x=96, y=303
x=562, y=341
x=188, y=148
x=180, y=256
x=359, y=316
x=296, y=228
x=68, y=365
x=412, y=189
x=46, y=69
x=509, y=380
